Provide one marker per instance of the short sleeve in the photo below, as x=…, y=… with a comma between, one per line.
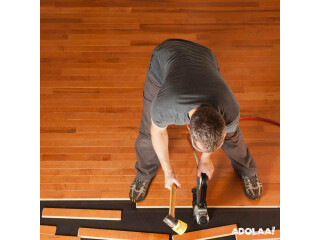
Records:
x=155, y=113
x=232, y=127
x=156, y=67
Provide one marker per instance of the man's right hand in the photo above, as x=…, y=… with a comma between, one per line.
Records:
x=170, y=178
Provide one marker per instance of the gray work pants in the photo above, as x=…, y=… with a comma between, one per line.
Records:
x=147, y=163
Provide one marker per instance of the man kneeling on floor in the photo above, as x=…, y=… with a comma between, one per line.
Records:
x=184, y=86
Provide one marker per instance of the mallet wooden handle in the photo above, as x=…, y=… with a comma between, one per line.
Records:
x=172, y=200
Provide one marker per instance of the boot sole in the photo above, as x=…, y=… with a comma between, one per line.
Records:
x=135, y=201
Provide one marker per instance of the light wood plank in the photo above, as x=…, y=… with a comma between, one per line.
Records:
x=57, y=237
x=48, y=229
x=119, y=235
x=81, y=214
x=207, y=233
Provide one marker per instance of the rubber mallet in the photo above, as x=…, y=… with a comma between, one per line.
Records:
x=176, y=225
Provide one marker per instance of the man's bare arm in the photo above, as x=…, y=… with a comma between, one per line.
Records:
x=160, y=142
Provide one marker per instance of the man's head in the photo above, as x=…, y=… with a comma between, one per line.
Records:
x=207, y=129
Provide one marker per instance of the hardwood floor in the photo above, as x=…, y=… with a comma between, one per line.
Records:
x=94, y=58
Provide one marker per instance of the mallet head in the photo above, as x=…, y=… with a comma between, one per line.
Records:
x=176, y=225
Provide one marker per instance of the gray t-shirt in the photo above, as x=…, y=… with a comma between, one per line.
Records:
x=189, y=77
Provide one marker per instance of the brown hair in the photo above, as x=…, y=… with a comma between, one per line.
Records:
x=207, y=126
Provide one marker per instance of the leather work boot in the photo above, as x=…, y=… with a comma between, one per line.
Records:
x=138, y=190
x=252, y=187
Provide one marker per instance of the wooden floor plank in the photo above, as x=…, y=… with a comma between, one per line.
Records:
x=275, y=236
x=119, y=235
x=207, y=233
x=57, y=237
x=114, y=215
x=48, y=229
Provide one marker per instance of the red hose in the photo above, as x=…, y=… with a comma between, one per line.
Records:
x=261, y=119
